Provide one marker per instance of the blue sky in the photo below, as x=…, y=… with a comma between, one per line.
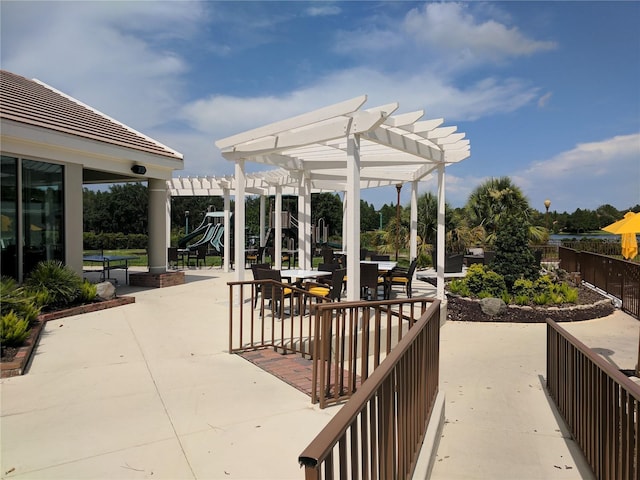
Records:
x=548, y=93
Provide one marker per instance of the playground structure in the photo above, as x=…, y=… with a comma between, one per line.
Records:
x=210, y=232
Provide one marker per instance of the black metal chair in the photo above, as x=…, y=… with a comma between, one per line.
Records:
x=257, y=287
x=198, y=254
x=256, y=257
x=274, y=291
x=327, y=255
x=173, y=257
x=401, y=276
x=331, y=291
x=370, y=281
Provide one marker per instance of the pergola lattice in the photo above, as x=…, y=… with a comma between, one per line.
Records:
x=340, y=148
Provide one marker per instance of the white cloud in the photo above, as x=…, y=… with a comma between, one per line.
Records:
x=544, y=99
x=102, y=53
x=448, y=26
x=323, y=9
x=589, y=175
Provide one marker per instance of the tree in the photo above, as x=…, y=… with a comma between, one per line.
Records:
x=329, y=207
x=491, y=201
x=369, y=218
x=513, y=258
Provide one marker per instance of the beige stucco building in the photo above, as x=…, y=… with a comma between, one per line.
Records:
x=52, y=145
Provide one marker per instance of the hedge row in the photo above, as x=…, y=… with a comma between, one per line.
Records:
x=114, y=241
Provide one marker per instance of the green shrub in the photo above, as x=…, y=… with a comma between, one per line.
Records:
x=88, y=292
x=13, y=330
x=541, y=298
x=494, y=284
x=521, y=299
x=16, y=299
x=62, y=284
x=475, y=278
x=514, y=259
x=523, y=288
x=459, y=287
x=570, y=294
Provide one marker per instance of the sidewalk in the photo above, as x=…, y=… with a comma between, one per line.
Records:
x=148, y=390
x=500, y=421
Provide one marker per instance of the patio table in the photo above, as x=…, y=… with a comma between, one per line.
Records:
x=111, y=262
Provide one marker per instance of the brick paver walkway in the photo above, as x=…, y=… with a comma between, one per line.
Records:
x=291, y=368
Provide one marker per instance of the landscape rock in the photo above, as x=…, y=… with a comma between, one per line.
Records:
x=106, y=290
x=492, y=306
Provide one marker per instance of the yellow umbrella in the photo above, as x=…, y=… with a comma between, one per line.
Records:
x=629, y=224
x=627, y=228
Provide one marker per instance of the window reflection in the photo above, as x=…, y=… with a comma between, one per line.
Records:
x=42, y=213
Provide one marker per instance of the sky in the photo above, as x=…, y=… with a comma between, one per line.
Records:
x=548, y=93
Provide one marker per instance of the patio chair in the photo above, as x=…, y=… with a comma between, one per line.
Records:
x=327, y=255
x=274, y=292
x=258, y=287
x=199, y=254
x=401, y=276
x=173, y=257
x=370, y=281
x=375, y=257
x=331, y=291
x=256, y=257
x=363, y=253
x=327, y=267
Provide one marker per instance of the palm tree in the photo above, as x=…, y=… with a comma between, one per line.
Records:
x=493, y=200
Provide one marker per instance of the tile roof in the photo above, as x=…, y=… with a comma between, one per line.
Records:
x=34, y=103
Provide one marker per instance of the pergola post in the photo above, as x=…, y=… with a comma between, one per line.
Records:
x=263, y=201
x=239, y=221
x=226, y=259
x=440, y=235
x=304, y=222
x=277, y=236
x=413, y=228
x=353, y=218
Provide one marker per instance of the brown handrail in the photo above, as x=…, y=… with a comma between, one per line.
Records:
x=619, y=278
x=351, y=340
x=264, y=327
x=600, y=405
x=378, y=433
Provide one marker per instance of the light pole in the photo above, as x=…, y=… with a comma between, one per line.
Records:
x=547, y=204
x=398, y=188
x=186, y=222
x=380, y=213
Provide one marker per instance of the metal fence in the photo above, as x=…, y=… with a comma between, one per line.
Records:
x=346, y=340
x=599, y=403
x=378, y=433
x=620, y=278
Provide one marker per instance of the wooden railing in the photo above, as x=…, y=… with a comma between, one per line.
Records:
x=620, y=278
x=255, y=322
x=378, y=433
x=600, y=405
x=346, y=340
x=353, y=338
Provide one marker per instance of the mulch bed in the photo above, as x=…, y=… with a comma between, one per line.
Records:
x=590, y=305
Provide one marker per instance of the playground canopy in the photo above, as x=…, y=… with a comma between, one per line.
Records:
x=339, y=148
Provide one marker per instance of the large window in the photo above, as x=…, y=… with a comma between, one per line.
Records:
x=9, y=209
x=42, y=213
x=32, y=214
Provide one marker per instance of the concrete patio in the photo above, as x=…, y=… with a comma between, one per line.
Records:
x=148, y=390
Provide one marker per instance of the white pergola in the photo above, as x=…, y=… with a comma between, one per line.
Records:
x=339, y=148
